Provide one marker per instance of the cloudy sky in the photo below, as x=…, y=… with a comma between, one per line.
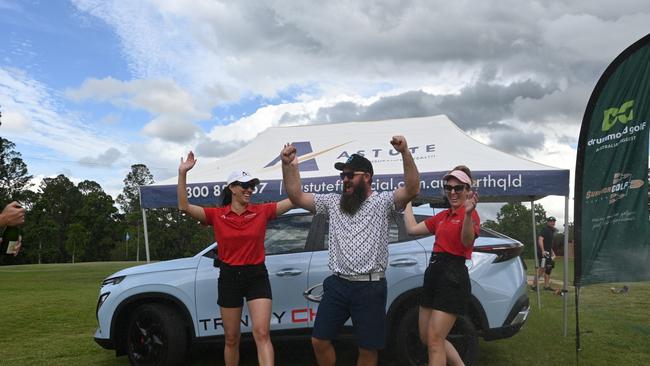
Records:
x=89, y=87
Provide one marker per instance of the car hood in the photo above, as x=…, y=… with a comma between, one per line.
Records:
x=171, y=265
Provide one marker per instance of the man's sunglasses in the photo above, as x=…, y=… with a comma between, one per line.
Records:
x=246, y=185
x=349, y=175
x=457, y=188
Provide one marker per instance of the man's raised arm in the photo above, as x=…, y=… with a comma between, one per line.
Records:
x=291, y=178
x=411, y=188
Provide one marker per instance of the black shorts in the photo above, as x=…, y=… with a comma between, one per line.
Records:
x=238, y=282
x=446, y=284
x=546, y=262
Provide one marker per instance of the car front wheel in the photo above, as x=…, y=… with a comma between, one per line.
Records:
x=155, y=336
x=409, y=350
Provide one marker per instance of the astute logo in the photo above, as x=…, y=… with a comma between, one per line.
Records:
x=302, y=148
x=624, y=114
x=621, y=185
x=306, y=156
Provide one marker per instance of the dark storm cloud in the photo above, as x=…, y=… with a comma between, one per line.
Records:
x=565, y=104
x=258, y=26
x=107, y=158
x=291, y=119
x=216, y=149
x=482, y=105
x=474, y=107
x=516, y=141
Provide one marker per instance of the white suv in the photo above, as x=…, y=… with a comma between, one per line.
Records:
x=153, y=312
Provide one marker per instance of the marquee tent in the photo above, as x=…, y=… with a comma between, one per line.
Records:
x=436, y=143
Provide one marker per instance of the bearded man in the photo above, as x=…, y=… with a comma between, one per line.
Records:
x=358, y=249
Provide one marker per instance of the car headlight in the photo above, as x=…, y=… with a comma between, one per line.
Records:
x=113, y=280
x=100, y=301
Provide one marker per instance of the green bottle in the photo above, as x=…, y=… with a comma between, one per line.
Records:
x=11, y=240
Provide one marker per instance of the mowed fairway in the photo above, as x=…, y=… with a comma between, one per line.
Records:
x=615, y=328
x=48, y=314
x=48, y=318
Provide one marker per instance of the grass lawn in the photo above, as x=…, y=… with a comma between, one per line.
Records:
x=48, y=318
x=614, y=328
x=48, y=314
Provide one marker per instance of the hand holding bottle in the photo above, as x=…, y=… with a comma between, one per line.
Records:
x=12, y=215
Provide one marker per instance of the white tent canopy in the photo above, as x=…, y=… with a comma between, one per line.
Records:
x=437, y=145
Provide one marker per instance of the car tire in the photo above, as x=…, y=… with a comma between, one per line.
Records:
x=409, y=350
x=155, y=336
x=464, y=338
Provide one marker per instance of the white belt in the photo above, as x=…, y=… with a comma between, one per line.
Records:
x=374, y=276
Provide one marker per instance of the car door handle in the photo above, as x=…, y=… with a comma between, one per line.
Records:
x=314, y=293
x=288, y=272
x=403, y=262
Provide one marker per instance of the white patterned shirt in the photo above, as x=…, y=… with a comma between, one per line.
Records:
x=358, y=244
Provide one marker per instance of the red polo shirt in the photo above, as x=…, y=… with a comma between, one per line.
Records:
x=447, y=227
x=240, y=237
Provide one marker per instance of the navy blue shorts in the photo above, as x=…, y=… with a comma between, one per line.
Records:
x=363, y=301
x=238, y=282
x=446, y=284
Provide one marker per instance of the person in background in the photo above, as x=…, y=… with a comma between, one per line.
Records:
x=239, y=229
x=446, y=289
x=358, y=249
x=545, y=254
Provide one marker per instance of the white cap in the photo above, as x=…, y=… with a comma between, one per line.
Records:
x=240, y=176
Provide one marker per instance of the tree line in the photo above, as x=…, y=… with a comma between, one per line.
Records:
x=515, y=220
x=65, y=222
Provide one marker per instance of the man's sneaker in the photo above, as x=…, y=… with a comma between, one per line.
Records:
x=533, y=288
x=549, y=288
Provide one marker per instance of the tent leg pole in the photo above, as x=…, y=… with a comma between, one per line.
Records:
x=146, y=235
x=535, y=279
x=566, y=264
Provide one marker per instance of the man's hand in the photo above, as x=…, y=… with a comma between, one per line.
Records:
x=399, y=143
x=12, y=215
x=288, y=154
x=188, y=164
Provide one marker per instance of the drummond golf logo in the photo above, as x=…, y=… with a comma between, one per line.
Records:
x=605, y=139
x=621, y=185
x=623, y=114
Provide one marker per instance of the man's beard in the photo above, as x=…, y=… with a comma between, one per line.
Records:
x=350, y=203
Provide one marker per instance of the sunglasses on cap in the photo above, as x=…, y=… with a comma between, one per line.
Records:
x=457, y=188
x=350, y=175
x=246, y=185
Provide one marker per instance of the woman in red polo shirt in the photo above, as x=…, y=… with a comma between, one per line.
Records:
x=239, y=228
x=446, y=289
